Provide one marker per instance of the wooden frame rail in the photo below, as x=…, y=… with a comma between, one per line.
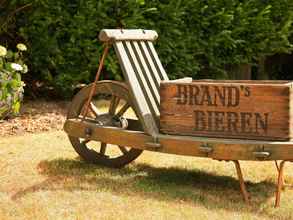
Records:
x=215, y=148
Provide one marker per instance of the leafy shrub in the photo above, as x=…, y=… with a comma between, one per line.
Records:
x=236, y=32
x=11, y=86
x=177, y=48
x=8, y=21
x=63, y=38
x=197, y=38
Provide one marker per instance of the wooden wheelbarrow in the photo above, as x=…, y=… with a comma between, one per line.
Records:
x=126, y=114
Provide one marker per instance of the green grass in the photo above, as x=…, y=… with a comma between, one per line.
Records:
x=41, y=177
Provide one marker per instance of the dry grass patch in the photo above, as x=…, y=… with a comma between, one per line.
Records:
x=42, y=178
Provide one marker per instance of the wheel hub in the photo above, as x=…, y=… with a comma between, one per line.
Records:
x=112, y=121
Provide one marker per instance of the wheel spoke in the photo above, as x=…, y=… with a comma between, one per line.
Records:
x=124, y=108
x=118, y=104
x=113, y=105
x=94, y=109
x=103, y=148
x=123, y=149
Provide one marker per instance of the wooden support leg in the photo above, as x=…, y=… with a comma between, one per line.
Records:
x=278, y=168
x=241, y=182
x=280, y=183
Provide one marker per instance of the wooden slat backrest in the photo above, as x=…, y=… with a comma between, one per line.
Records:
x=142, y=70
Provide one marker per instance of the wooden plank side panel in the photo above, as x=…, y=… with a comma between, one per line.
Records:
x=222, y=149
x=246, y=82
x=142, y=80
x=162, y=72
x=144, y=113
x=290, y=123
x=279, y=152
x=154, y=86
x=226, y=110
x=150, y=63
x=226, y=149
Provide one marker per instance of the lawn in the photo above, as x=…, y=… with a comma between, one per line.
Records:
x=41, y=177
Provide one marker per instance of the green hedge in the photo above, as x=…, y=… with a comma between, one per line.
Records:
x=197, y=38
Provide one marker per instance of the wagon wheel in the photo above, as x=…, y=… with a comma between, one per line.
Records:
x=111, y=106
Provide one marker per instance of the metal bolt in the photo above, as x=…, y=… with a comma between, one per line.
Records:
x=88, y=132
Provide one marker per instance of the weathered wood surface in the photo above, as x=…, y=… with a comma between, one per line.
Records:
x=111, y=135
x=127, y=34
x=227, y=109
x=142, y=70
x=143, y=73
x=216, y=148
x=142, y=105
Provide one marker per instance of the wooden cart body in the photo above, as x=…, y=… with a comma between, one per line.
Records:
x=143, y=73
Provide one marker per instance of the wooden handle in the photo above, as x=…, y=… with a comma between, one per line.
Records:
x=127, y=34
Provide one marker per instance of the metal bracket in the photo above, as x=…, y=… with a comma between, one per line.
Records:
x=88, y=132
x=154, y=145
x=206, y=147
x=261, y=154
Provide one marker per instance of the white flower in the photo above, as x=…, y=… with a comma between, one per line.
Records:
x=21, y=47
x=3, y=51
x=25, y=68
x=16, y=67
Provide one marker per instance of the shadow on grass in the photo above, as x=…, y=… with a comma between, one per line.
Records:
x=169, y=184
